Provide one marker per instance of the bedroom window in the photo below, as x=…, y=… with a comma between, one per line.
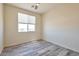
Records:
x=26, y=23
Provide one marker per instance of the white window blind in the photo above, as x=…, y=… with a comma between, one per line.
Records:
x=26, y=23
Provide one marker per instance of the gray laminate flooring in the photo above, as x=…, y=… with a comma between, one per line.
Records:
x=37, y=48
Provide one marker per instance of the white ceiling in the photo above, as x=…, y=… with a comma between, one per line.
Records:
x=43, y=7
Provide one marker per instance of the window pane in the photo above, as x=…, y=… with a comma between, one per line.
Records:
x=23, y=18
x=26, y=22
x=31, y=19
x=31, y=27
x=22, y=27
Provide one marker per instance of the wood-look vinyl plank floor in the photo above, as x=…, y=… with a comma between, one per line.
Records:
x=37, y=48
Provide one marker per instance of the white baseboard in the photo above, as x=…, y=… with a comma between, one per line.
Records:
x=63, y=46
x=14, y=44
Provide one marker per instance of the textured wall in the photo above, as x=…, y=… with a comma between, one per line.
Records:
x=1, y=27
x=61, y=26
x=12, y=36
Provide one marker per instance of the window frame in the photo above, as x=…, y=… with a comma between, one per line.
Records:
x=26, y=23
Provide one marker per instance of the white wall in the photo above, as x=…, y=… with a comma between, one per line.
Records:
x=1, y=27
x=61, y=26
x=12, y=36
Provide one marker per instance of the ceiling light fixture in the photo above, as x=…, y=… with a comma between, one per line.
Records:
x=35, y=6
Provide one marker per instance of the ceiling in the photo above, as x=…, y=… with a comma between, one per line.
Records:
x=43, y=7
